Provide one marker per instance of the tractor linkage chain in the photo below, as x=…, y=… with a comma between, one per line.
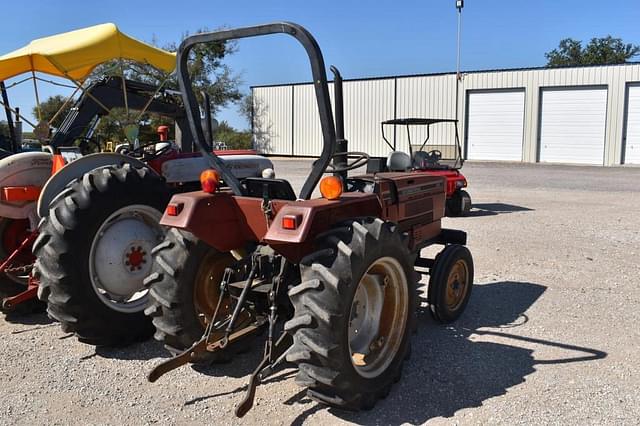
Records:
x=274, y=352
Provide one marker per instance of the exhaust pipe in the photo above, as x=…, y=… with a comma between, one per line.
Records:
x=341, y=142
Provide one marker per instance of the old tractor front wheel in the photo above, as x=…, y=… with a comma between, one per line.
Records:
x=354, y=314
x=459, y=204
x=450, y=283
x=184, y=290
x=94, y=251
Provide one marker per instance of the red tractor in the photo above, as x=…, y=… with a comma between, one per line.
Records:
x=436, y=159
x=96, y=215
x=333, y=280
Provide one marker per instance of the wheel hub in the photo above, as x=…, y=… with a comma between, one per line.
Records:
x=378, y=317
x=119, y=256
x=135, y=257
x=457, y=285
x=206, y=290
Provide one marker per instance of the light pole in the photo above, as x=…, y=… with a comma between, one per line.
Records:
x=459, y=6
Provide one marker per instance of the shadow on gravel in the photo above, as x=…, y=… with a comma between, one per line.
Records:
x=242, y=364
x=146, y=350
x=448, y=372
x=30, y=319
x=240, y=390
x=492, y=209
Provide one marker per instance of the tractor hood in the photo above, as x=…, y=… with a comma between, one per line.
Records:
x=189, y=169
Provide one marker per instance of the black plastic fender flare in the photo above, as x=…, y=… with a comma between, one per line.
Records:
x=76, y=169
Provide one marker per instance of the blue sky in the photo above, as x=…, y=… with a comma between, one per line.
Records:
x=364, y=39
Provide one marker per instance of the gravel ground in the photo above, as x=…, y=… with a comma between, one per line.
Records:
x=550, y=335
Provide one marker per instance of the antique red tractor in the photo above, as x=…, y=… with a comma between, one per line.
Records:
x=333, y=280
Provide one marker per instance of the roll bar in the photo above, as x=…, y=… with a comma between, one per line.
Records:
x=320, y=83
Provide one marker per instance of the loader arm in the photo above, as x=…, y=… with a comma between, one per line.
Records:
x=109, y=92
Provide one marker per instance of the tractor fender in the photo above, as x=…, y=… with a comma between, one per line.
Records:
x=23, y=169
x=227, y=222
x=75, y=170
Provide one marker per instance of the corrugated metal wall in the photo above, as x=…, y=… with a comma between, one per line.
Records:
x=273, y=121
x=432, y=97
x=367, y=102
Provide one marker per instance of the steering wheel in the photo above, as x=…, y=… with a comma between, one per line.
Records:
x=141, y=151
x=359, y=159
x=434, y=155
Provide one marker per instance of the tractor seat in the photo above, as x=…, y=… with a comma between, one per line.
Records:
x=398, y=161
x=278, y=189
x=422, y=160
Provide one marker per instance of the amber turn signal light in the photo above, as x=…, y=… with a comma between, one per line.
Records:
x=331, y=187
x=174, y=209
x=210, y=180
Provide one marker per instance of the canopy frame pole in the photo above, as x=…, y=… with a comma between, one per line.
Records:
x=18, y=115
x=144, y=109
x=18, y=82
x=44, y=80
x=93, y=98
x=12, y=130
x=35, y=87
x=124, y=89
x=78, y=85
x=66, y=102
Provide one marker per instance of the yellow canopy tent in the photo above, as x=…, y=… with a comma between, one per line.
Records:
x=76, y=53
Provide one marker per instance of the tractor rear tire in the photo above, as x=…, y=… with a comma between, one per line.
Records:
x=107, y=207
x=450, y=283
x=178, y=303
x=349, y=357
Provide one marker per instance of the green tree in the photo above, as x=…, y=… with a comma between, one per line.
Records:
x=50, y=107
x=599, y=51
x=4, y=129
x=233, y=138
x=206, y=67
x=4, y=136
x=209, y=74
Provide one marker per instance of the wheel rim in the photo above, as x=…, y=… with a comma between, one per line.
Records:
x=457, y=284
x=378, y=317
x=206, y=289
x=120, y=256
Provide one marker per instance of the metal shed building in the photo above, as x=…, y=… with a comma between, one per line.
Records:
x=584, y=115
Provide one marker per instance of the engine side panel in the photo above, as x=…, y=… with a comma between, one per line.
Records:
x=415, y=201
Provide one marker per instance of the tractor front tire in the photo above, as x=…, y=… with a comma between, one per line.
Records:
x=183, y=292
x=93, y=253
x=354, y=314
x=459, y=204
x=450, y=283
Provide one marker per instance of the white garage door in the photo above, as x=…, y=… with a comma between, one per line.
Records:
x=632, y=151
x=495, y=125
x=572, y=125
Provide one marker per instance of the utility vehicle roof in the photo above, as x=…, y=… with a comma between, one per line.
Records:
x=76, y=53
x=419, y=121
